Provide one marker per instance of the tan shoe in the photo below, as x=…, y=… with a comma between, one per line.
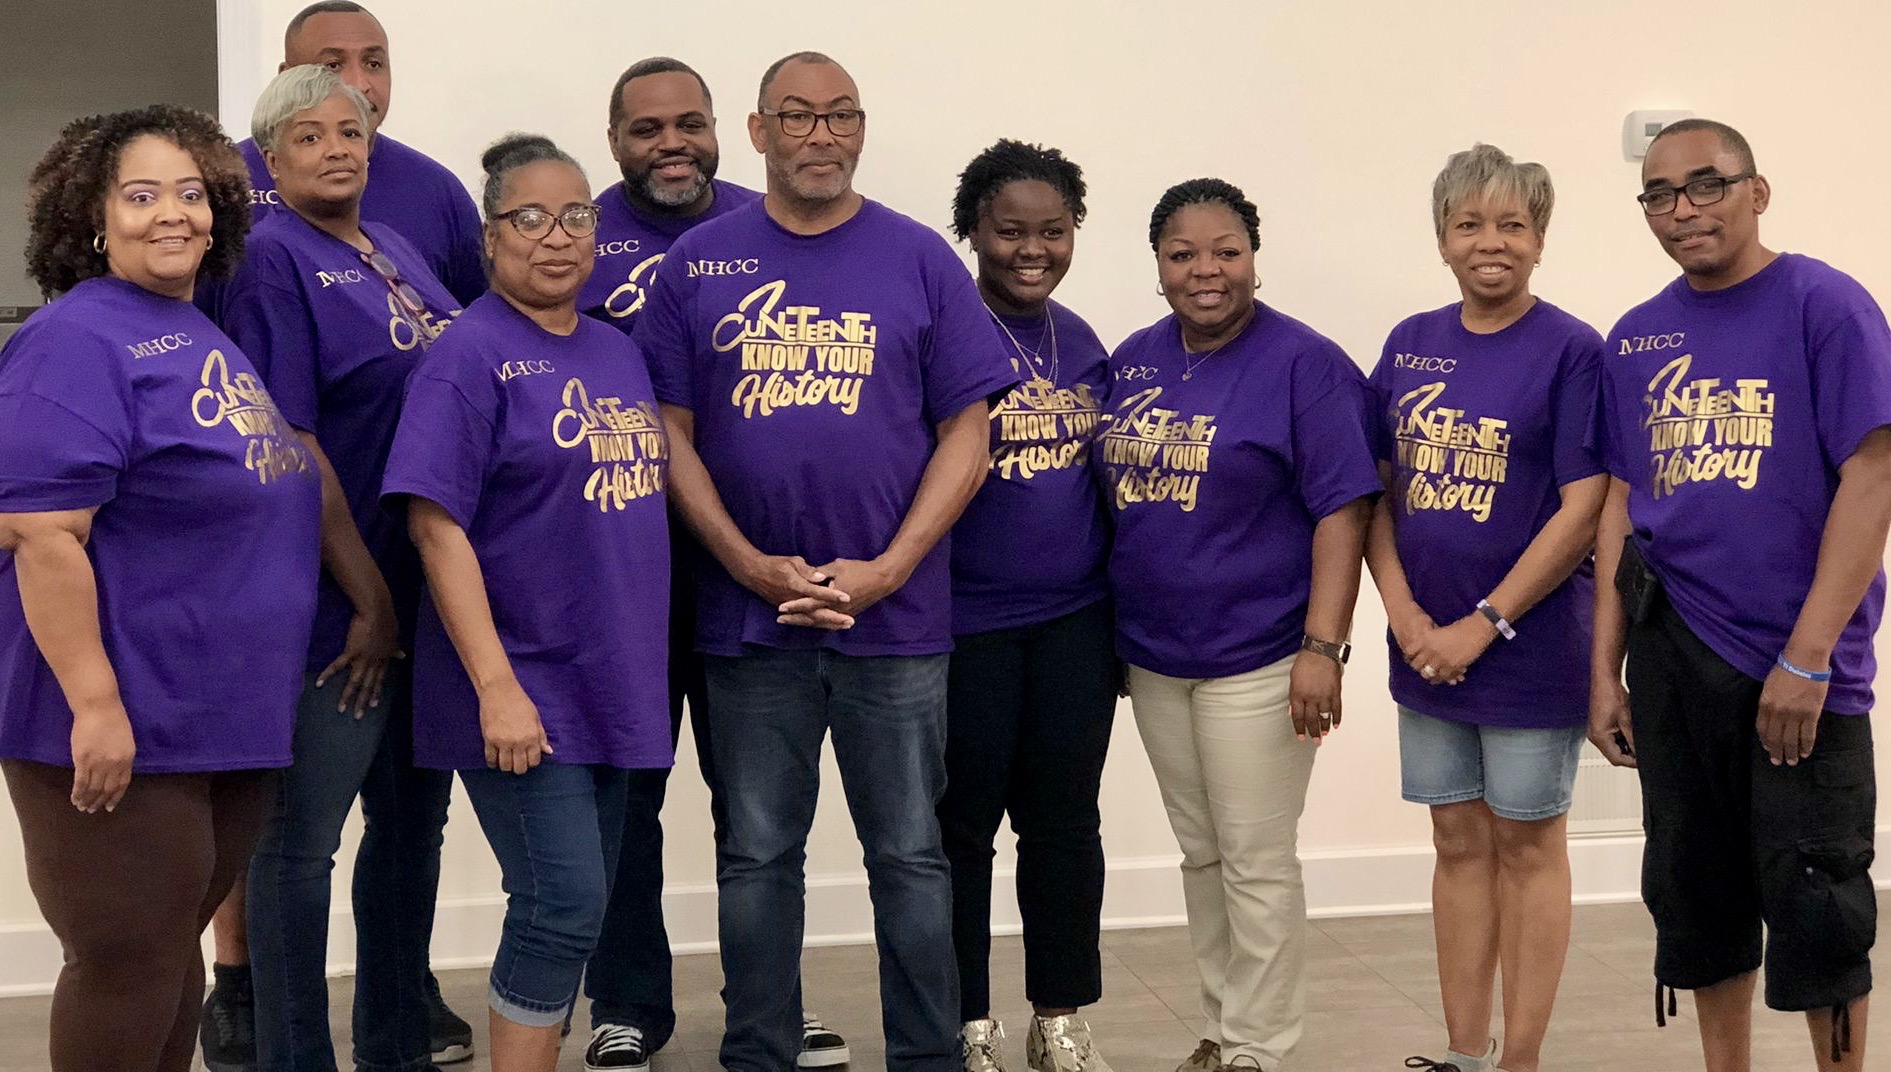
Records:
x=1206, y=1058
x=1061, y=1044
x=978, y=1046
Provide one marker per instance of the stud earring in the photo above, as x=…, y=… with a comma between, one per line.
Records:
x=98, y=243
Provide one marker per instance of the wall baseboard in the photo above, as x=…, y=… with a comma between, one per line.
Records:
x=1143, y=891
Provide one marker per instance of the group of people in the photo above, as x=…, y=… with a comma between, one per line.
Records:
x=319, y=482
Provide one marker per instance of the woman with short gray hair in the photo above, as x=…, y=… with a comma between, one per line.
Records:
x=335, y=313
x=1493, y=490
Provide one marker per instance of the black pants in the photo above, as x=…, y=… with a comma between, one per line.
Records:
x=628, y=978
x=1029, y=712
x=1734, y=841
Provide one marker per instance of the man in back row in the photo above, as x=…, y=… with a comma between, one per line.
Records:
x=1746, y=415
x=662, y=134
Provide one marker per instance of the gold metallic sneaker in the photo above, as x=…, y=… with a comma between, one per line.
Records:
x=978, y=1046
x=1206, y=1058
x=1061, y=1044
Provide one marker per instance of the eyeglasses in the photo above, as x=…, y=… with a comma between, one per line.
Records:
x=579, y=221
x=841, y=122
x=1700, y=192
x=408, y=303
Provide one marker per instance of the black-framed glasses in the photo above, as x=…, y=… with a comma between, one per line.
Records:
x=1701, y=192
x=579, y=221
x=410, y=305
x=799, y=123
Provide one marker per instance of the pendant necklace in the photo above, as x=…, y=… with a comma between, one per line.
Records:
x=1032, y=358
x=1194, y=360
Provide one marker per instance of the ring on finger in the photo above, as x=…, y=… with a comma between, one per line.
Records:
x=1427, y=670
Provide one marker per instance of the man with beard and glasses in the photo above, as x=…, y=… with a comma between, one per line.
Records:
x=663, y=136
x=825, y=367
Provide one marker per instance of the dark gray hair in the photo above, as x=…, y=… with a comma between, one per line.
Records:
x=1487, y=171
x=643, y=69
x=508, y=155
x=297, y=90
x=768, y=76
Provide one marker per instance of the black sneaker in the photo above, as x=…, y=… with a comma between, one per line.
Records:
x=820, y=1048
x=616, y=1048
x=228, y=1033
x=450, y=1038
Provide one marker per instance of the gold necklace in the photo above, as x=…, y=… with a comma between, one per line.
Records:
x=1031, y=356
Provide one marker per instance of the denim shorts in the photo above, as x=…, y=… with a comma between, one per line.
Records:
x=1522, y=774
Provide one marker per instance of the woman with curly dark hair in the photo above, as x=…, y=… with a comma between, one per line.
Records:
x=1239, y=463
x=158, y=543
x=1031, y=688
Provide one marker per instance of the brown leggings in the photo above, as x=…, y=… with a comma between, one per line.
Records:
x=128, y=893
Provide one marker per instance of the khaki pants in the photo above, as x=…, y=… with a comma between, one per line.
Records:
x=1234, y=781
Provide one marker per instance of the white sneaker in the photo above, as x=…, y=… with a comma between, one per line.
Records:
x=820, y=1047
x=978, y=1046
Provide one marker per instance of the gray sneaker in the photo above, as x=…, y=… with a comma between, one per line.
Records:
x=1453, y=1061
x=1206, y=1058
x=978, y=1046
x=1061, y=1044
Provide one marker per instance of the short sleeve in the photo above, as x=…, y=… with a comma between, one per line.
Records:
x=1379, y=407
x=662, y=330
x=464, y=273
x=1606, y=431
x=1573, y=410
x=964, y=359
x=271, y=323
x=1851, y=380
x=1332, y=449
x=65, y=406
x=443, y=445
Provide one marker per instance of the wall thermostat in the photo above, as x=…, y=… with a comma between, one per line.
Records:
x=1640, y=128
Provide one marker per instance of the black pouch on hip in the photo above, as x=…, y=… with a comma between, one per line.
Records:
x=1636, y=582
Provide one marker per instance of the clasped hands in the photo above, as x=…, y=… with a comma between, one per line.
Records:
x=824, y=597
x=1442, y=653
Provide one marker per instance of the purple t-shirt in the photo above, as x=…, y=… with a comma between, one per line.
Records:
x=818, y=367
x=334, y=346
x=1728, y=414
x=630, y=245
x=1482, y=432
x=549, y=452
x=415, y=195
x=205, y=545
x=1032, y=544
x=1218, y=481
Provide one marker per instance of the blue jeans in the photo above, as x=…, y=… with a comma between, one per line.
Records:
x=396, y=880
x=1522, y=774
x=768, y=712
x=555, y=830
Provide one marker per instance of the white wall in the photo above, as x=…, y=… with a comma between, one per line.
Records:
x=1334, y=118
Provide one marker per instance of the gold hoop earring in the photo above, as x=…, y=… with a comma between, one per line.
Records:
x=209, y=240
x=98, y=244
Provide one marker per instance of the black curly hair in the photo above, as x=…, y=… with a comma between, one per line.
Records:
x=1009, y=161
x=1204, y=192
x=65, y=199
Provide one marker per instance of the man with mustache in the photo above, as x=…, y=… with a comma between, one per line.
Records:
x=662, y=134
x=825, y=367
x=405, y=807
x=1746, y=422
x=407, y=189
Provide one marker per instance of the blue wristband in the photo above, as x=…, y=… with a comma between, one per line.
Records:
x=1820, y=676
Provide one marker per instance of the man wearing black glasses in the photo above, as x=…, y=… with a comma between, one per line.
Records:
x=1747, y=426
x=662, y=133
x=825, y=367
